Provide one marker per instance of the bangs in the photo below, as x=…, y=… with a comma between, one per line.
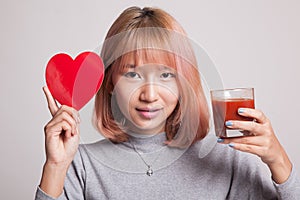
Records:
x=151, y=45
x=145, y=57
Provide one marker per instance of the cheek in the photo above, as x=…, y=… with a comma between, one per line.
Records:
x=125, y=97
x=122, y=99
x=170, y=97
x=124, y=92
x=170, y=93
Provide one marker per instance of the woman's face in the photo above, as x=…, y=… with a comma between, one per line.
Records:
x=146, y=95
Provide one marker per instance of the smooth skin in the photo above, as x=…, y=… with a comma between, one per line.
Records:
x=263, y=143
x=62, y=140
x=141, y=89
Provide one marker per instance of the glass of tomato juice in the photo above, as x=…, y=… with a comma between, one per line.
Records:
x=225, y=105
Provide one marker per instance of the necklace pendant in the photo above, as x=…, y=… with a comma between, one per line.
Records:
x=149, y=171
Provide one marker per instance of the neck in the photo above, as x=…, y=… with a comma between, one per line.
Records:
x=140, y=135
x=146, y=143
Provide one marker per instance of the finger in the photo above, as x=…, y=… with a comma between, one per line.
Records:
x=52, y=105
x=250, y=140
x=56, y=129
x=69, y=131
x=258, y=115
x=62, y=128
x=70, y=111
x=258, y=150
x=64, y=116
x=76, y=131
x=251, y=126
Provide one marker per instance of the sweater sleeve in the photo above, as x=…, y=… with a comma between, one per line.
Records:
x=252, y=180
x=74, y=183
x=290, y=189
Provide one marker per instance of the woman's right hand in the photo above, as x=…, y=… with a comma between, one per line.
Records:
x=61, y=132
x=61, y=140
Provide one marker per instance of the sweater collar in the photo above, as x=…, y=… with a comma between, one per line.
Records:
x=145, y=143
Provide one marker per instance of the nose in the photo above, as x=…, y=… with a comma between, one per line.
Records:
x=149, y=93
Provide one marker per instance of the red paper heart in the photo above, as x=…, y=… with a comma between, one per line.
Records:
x=74, y=82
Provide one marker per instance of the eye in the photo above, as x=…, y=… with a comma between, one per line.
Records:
x=132, y=75
x=167, y=75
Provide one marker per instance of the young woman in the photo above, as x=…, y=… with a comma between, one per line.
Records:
x=152, y=110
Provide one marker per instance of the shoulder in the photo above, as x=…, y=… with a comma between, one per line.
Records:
x=86, y=157
x=94, y=148
x=94, y=145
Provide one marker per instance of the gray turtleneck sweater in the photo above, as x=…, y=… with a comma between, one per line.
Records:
x=206, y=170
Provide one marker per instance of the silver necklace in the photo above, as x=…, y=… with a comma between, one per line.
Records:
x=149, y=171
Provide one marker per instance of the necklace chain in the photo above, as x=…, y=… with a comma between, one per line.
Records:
x=149, y=171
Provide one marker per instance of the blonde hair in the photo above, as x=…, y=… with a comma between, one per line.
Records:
x=157, y=37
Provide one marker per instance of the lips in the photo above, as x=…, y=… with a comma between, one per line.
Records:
x=148, y=113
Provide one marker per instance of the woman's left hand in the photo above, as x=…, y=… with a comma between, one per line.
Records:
x=262, y=142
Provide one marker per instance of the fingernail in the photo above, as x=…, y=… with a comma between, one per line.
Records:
x=228, y=123
x=241, y=110
x=231, y=144
x=220, y=140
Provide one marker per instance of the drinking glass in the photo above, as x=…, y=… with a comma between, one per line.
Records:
x=225, y=105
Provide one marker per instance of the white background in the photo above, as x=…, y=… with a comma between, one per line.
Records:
x=252, y=43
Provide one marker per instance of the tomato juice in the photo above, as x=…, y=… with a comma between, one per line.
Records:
x=227, y=109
